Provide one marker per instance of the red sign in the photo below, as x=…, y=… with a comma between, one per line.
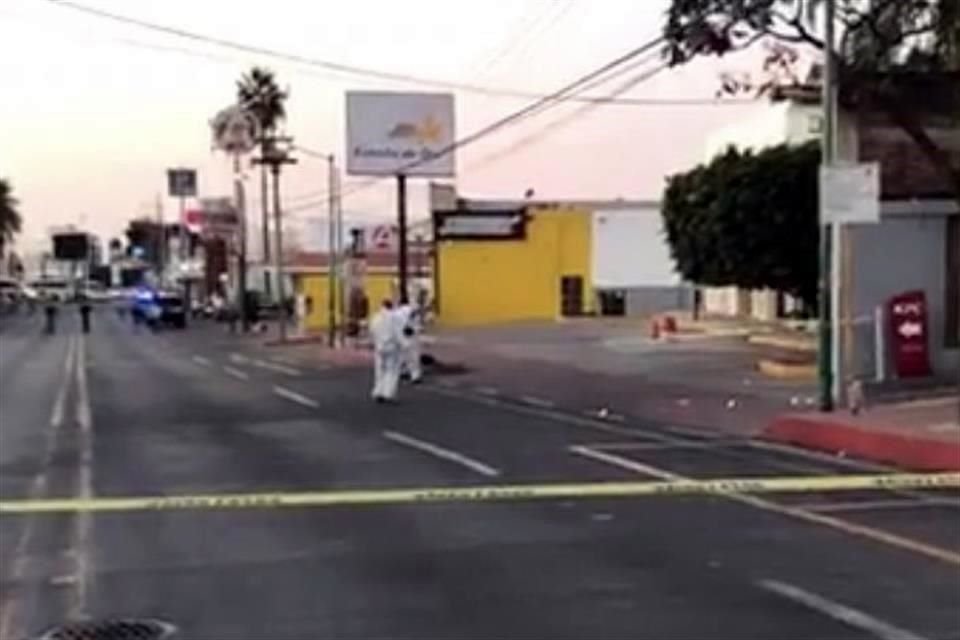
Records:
x=908, y=334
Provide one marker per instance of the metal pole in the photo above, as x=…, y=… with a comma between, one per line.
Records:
x=331, y=257
x=826, y=355
x=402, y=232
x=880, y=346
x=278, y=252
x=242, y=252
x=341, y=257
x=161, y=243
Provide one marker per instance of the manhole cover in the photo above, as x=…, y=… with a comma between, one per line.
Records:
x=112, y=630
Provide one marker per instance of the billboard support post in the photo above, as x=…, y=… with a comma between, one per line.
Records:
x=402, y=237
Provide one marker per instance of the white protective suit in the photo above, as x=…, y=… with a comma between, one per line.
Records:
x=386, y=332
x=411, y=327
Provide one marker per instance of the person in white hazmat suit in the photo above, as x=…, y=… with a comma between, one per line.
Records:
x=410, y=317
x=386, y=331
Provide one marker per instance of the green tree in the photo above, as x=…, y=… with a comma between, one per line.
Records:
x=10, y=220
x=889, y=53
x=748, y=219
x=258, y=92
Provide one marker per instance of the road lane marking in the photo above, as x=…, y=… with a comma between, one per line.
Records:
x=239, y=358
x=10, y=608
x=548, y=414
x=486, y=391
x=278, y=368
x=730, y=487
x=236, y=373
x=840, y=612
x=203, y=362
x=534, y=401
x=293, y=396
x=868, y=505
x=738, y=494
x=442, y=453
x=56, y=418
x=83, y=522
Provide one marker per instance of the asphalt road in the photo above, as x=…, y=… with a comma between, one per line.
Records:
x=118, y=413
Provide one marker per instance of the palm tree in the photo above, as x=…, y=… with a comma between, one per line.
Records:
x=258, y=92
x=10, y=220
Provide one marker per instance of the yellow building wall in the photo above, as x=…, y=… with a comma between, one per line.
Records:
x=491, y=281
x=316, y=286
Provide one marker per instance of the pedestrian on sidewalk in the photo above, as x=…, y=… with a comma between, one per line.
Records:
x=85, y=310
x=50, y=310
x=411, y=323
x=386, y=333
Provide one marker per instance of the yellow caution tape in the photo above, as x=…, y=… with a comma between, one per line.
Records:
x=490, y=493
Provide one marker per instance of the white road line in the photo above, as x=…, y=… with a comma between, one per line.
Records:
x=203, y=362
x=486, y=391
x=11, y=624
x=239, y=358
x=881, y=536
x=83, y=522
x=624, y=463
x=279, y=368
x=236, y=373
x=443, y=454
x=293, y=396
x=869, y=505
x=537, y=402
x=56, y=418
x=840, y=612
x=549, y=414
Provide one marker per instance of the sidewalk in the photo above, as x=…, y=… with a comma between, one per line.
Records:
x=921, y=435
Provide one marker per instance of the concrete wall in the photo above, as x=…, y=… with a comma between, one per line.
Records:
x=901, y=254
x=648, y=300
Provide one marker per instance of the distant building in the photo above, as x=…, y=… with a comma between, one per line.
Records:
x=510, y=260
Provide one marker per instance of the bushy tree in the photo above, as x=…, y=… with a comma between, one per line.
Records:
x=748, y=219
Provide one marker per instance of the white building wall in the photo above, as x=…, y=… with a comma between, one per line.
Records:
x=630, y=249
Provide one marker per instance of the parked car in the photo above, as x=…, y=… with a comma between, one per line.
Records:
x=173, y=309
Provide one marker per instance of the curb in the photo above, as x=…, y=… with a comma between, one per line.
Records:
x=783, y=342
x=920, y=454
x=787, y=370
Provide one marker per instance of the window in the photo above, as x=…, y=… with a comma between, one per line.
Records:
x=952, y=289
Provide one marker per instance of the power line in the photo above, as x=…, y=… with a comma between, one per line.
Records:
x=353, y=70
x=604, y=73
x=524, y=32
x=558, y=124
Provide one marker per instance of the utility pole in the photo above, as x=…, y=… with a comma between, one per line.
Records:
x=161, y=242
x=241, y=205
x=331, y=253
x=829, y=233
x=402, y=233
x=275, y=157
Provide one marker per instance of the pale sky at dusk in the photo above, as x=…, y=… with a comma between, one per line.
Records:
x=94, y=112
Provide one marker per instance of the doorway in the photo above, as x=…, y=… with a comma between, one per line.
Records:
x=571, y=296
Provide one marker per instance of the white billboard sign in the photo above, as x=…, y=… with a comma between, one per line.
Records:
x=850, y=193
x=400, y=133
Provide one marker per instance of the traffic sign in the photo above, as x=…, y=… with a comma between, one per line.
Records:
x=850, y=193
x=182, y=183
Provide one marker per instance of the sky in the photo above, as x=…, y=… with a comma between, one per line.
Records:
x=95, y=112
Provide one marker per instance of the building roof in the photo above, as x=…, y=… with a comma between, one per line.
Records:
x=471, y=204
